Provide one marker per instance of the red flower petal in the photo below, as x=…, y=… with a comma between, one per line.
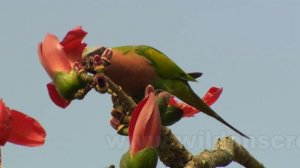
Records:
x=188, y=111
x=53, y=56
x=26, y=131
x=56, y=97
x=146, y=126
x=209, y=98
x=152, y=131
x=212, y=95
x=73, y=45
x=134, y=116
x=5, y=123
x=58, y=56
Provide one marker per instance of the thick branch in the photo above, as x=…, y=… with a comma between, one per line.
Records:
x=171, y=152
x=226, y=151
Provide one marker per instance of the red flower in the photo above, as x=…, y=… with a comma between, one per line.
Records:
x=58, y=56
x=59, y=59
x=20, y=129
x=212, y=95
x=144, y=126
x=209, y=98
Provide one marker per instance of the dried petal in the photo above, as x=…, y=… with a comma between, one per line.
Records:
x=115, y=123
x=97, y=60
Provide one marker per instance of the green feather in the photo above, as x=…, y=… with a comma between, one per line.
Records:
x=163, y=65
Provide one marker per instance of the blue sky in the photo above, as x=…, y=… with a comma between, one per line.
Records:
x=250, y=48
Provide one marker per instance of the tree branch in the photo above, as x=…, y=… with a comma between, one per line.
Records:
x=173, y=154
x=226, y=151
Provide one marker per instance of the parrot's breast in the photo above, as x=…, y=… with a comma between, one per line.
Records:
x=132, y=72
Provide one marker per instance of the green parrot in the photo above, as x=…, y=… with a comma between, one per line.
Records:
x=135, y=67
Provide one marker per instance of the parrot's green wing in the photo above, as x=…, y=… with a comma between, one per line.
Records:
x=163, y=65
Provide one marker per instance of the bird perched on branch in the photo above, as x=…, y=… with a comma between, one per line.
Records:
x=135, y=67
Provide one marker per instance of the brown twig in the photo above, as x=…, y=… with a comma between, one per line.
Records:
x=122, y=96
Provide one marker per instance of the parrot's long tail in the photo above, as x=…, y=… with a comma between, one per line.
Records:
x=195, y=75
x=187, y=95
x=207, y=110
